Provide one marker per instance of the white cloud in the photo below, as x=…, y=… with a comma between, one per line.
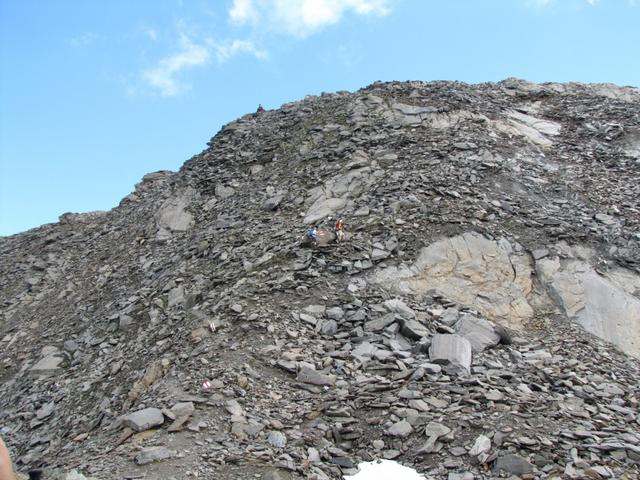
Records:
x=226, y=50
x=164, y=76
x=301, y=18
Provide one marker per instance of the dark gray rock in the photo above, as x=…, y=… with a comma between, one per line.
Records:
x=513, y=464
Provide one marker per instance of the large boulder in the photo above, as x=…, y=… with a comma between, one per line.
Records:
x=480, y=332
x=452, y=351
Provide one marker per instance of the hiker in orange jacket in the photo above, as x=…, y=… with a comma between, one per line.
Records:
x=339, y=228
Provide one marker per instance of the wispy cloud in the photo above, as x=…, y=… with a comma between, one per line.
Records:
x=297, y=18
x=301, y=18
x=224, y=51
x=84, y=39
x=545, y=3
x=165, y=76
x=150, y=32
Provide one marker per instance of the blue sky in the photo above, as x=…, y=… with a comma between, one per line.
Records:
x=94, y=94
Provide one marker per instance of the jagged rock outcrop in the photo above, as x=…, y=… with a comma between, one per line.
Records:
x=188, y=332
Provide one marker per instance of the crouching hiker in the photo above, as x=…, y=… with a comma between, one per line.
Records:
x=312, y=235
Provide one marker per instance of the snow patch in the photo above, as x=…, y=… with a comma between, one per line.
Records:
x=384, y=470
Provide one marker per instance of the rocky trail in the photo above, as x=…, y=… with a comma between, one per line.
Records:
x=482, y=320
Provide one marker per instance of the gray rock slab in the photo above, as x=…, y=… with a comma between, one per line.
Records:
x=481, y=445
x=378, y=324
x=335, y=313
x=144, y=419
x=154, y=454
x=514, y=464
x=49, y=363
x=400, y=429
x=453, y=351
x=396, y=305
x=183, y=409
x=435, y=429
x=313, y=377
x=478, y=331
x=272, y=203
x=413, y=329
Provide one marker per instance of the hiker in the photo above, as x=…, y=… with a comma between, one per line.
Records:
x=260, y=108
x=339, y=228
x=312, y=234
x=6, y=467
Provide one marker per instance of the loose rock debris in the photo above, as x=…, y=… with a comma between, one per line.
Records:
x=188, y=334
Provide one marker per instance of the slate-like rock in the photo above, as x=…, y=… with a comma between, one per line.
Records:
x=308, y=375
x=154, y=454
x=452, y=351
x=144, y=419
x=512, y=464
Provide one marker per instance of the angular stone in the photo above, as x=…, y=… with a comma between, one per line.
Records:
x=453, y=351
x=478, y=331
x=396, y=305
x=183, y=409
x=481, y=445
x=234, y=408
x=48, y=364
x=435, y=429
x=272, y=203
x=154, y=454
x=277, y=439
x=144, y=419
x=330, y=327
x=308, y=375
x=380, y=323
x=413, y=329
x=512, y=463
x=400, y=429
x=335, y=313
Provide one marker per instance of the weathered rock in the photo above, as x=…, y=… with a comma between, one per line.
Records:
x=513, y=464
x=277, y=439
x=194, y=293
x=453, y=351
x=400, y=429
x=414, y=329
x=272, y=203
x=480, y=333
x=481, y=445
x=143, y=419
x=308, y=375
x=472, y=270
x=154, y=454
x=605, y=305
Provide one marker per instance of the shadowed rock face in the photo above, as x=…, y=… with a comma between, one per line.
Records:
x=471, y=211
x=605, y=304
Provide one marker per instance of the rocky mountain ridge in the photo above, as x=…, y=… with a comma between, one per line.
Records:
x=188, y=333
